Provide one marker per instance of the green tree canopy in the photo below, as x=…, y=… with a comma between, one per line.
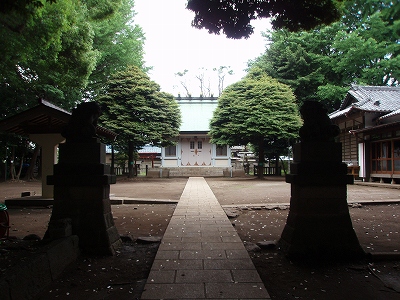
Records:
x=256, y=110
x=138, y=112
x=119, y=43
x=51, y=56
x=62, y=50
x=321, y=64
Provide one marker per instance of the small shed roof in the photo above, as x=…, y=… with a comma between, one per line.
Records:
x=43, y=118
x=196, y=113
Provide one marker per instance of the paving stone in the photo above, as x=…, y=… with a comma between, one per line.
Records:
x=161, y=276
x=246, y=276
x=180, y=246
x=238, y=290
x=174, y=291
x=228, y=264
x=167, y=254
x=201, y=255
x=237, y=254
x=231, y=239
x=196, y=276
x=177, y=264
x=226, y=246
x=210, y=239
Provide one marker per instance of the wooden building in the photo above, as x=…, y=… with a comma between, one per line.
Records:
x=369, y=122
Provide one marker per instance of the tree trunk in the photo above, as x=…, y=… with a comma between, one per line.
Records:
x=261, y=159
x=18, y=175
x=277, y=173
x=32, y=164
x=12, y=164
x=130, y=159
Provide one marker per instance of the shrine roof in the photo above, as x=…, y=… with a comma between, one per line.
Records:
x=44, y=118
x=196, y=113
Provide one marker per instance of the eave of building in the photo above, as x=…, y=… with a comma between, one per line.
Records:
x=390, y=115
x=354, y=112
x=370, y=130
x=45, y=118
x=193, y=132
x=351, y=111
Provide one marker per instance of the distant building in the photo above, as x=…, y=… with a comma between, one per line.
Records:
x=369, y=122
x=150, y=156
x=193, y=148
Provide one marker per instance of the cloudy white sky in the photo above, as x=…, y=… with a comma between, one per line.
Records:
x=172, y=46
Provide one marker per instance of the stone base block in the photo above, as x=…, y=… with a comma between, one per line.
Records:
x=319, y=152
x=319, y=228
x=30, y=277
x=90, y=217
x=75, y=153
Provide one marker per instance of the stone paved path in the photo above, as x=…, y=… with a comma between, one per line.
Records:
x=201, y=256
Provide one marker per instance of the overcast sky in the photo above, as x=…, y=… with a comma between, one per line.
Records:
x=172, y=46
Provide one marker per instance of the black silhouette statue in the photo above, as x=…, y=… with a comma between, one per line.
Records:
x=83, y=122
x=317, y=125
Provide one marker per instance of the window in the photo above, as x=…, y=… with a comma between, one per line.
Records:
x=191, y=144
x=381, y=156
x=199, y=145
x=170, y=151
x=222, y=150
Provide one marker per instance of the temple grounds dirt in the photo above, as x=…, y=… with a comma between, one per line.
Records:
x=123, y=276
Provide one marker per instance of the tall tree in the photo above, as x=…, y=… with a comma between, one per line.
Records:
x=138, y=112
x=184, y=81
x=52, y=49
x=51, y=56
x=222, y=71
x=321, y=64
x=233, y=17
x=205, y=77
x=119, y=43
x=255, y=110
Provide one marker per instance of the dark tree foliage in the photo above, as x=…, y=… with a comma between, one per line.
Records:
x=135, y=109
x=233, y=17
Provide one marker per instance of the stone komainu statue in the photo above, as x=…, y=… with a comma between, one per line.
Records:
x=317, y=126
x=83, y=122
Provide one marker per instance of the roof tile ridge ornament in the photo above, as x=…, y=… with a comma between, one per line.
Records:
x=364, y=94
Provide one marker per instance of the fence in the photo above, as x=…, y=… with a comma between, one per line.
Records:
x=124, y=170
x=268, y=171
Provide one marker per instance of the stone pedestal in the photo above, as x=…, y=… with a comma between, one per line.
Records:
x=82, y=198
x=319, y=225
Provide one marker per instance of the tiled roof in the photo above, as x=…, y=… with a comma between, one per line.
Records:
x=43, y=118
x=196, y=113
x=389, y=115
x=339, y=113
x=384, y=99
